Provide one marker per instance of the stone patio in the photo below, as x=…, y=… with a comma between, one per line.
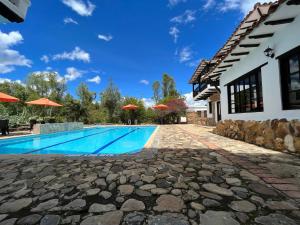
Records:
x=188, y=176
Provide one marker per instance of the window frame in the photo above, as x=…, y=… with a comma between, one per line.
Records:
x=239, y=93
x=285, y=77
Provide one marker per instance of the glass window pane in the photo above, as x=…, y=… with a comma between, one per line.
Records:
x=294, y=97
x=294, y=64
x=260, y=92
x=294, y=82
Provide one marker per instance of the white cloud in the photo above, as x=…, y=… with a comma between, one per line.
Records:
x=73, y=74
x=174, y=32
x=45, y=58
x=194, y=63
x=3, y=80
x=185, y=54
x=70, y=20
x=83, y=8
x=187, y=17
x=146, y=82
x=9, y=39
x=244, y=6
x=48, y=68
x=105, y=37
x=191, y=103
x=96, y=79
x=148, y=102
x=209, y=4
x=76, y=54
x=176, y=2
x=10, y=58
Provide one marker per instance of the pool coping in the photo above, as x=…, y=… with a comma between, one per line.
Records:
x=148, y=149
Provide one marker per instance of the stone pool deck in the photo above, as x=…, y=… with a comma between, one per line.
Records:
x=187, y=176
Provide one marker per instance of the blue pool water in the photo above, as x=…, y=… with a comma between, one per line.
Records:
x=94, y=141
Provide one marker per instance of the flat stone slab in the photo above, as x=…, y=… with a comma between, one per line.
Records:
x=133, y=205
x=217, y=190
x=217, y=218
x=100, y=208
x=169, y=203
x=166, y=220
x=50, y=220
x=242, y=206
x=275, y=219
x=15, y=206
x=109, y=218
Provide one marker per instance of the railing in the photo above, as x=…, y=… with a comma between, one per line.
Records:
x=199, y=89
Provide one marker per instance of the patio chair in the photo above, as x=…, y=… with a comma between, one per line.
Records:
x=32, y=122
x=4, y=127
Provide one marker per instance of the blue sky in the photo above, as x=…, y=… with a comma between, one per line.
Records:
x=131, y=41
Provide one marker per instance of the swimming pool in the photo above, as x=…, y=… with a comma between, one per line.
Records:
x=90, y=141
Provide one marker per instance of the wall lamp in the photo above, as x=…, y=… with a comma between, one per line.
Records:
x=269, y=52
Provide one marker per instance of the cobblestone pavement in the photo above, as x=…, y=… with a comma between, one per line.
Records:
x=195, y=177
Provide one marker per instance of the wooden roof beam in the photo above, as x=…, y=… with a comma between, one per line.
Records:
x=221, y=67
x=239, y=53
x=232, y=60
x=279, y=22
x=249, y=45
x=251, y=21
x=259, y=36
x=220, y=71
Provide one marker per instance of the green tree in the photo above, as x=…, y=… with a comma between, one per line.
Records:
x=169, y=87
x=156, y=91
x=139, y=114
x=46, y=84
x=72, y=110
x=110, y=100
x=86, y=98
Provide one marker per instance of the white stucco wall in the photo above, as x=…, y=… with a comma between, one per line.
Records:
x=284, y=40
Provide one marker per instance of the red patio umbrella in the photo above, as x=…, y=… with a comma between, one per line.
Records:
x=7, y=98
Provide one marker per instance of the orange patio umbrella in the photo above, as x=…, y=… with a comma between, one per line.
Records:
x=44, y=102
x=161, y=107
x=7, y=98
x=130, y=107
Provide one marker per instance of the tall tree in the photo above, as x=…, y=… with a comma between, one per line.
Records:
x=138, y=114
x=156, y=91
x=169, y=87
x=46, y=84
x=110, y=99
x=86, y=98
x=85, y=95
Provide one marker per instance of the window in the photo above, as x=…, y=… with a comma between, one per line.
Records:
x=210, y=107
x=290, y=79
x=245, y=94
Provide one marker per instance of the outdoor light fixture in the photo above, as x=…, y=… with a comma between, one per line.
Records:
x=269, y=52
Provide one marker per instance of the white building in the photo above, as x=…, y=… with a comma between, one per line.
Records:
x=257, y=72
x=13, y=10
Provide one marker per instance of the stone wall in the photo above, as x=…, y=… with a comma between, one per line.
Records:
x=279, y=135
x=56, y=127
x=195, y=118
